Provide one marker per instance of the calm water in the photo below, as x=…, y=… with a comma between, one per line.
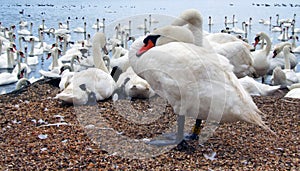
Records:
x=118, y=11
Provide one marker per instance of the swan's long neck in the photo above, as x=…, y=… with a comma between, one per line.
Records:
x=26, y=55
x=294, y=41
x=1, y=47
x=41, y=36
x=72, y=62
x=65, y=45
x=117, y=53
x=97, y=56
x=268, y=42
x=20, y=43
x=9, y=62
x=194, y=21
x=55, y=58
x=19, y=62
x=32, y=48
x=287, y=64
x=31, y=24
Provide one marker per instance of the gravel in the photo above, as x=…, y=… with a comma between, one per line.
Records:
x=39, y=132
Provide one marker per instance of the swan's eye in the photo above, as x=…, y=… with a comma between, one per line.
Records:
x=153, y=39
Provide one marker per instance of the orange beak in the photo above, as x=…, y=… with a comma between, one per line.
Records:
x=48, y=56
x=145, y=48
x=256, y=40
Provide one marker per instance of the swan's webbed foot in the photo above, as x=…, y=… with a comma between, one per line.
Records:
x=192, y=137
x=170, y=139
x=184, y=146
x=195, y=131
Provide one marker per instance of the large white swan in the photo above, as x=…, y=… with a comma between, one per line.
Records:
x=285, y=76
x=97, y=81
x=260, y=57
x=195, y=81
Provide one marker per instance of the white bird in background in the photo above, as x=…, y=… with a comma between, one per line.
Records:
x=257, y=89
x=54, y=67
x=260, y=57
x=294, y=91
x=287, y=76
x=96, y=82
x=7, y=59
x=295, y=49
x=18, y=72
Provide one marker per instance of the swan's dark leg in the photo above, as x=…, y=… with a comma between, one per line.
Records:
x=263, y=79
x=195, y=130
x=179, y=135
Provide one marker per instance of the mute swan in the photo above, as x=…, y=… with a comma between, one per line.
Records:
x=98, y=25
x=25, y=31
x=54, y=67
x=193, y=80
x=257, y=89
x=295, y=49
x=67, y=74
x=7, y=59
x=14, y=76
x=294, y=91
x=35, y=51
x=278, y=57
x=23, y=82
x=260, y=57
x=80, y=29
x=120, y=61
x=33, y=59
x=134, y=86
x=20, y=65
x=55, y=62
x=284, y=35
x=286, y=76
x=221, y=38
x=97, y=80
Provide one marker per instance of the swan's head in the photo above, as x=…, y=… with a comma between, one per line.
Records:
x=287, y=49
x=256, y=40
x=64, y=68
x=280, y=48
x=166, y=35
x=99, y=39
x=138, y=88
x=149, y=42
x=22, y=73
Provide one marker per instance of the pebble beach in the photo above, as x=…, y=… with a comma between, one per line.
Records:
x=33, y=139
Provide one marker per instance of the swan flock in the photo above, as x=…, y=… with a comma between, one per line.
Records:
x=207, y=76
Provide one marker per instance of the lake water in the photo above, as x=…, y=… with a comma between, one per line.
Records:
x=119, y=11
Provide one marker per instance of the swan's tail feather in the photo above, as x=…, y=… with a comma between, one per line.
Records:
x=255, y=118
